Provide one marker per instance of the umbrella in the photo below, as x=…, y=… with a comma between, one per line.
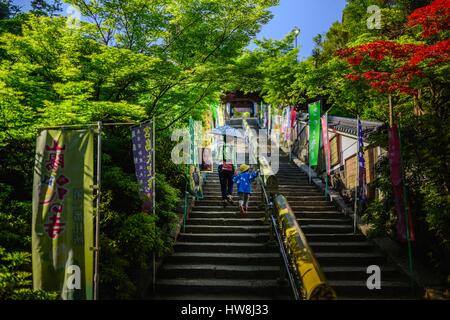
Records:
x=227, y=131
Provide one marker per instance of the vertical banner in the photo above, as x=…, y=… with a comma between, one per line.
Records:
x=326, y=143
x=142, y=139
x=62, y=223
x=221, y=116
x=314, y=132
x=362, y=186
x=214, y=108
x=287, y=132
x=396, y=179
x=195, y=177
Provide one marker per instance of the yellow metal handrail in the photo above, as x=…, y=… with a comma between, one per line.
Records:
x=314, y=283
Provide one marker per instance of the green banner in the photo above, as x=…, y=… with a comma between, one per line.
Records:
x=62, y=230
x=214, y=108
x=314, y=132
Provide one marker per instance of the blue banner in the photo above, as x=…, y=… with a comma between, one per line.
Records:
x=142, y=139
x=362, y=187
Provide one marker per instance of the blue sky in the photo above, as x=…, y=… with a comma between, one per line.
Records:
x=311, y=16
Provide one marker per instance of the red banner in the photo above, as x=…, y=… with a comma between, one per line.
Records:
x=397, y=186
x=326, y=143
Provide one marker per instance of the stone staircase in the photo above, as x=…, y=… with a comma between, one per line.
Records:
x=222, y=254
x=342, y=255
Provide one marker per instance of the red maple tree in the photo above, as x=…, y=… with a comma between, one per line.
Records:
x=403, y=63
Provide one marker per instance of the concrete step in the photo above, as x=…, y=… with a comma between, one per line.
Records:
x=294, y=181
x=265, y=259
x=291, y=193
x=213, y=286
x=215, y=202
x=220, y=296
x=215, y=186
x=229, y=212
x=218, y=194
x=313, y=208
x=251, y=207
x=362, y=246
x=316, y=221
x=359, y=273
x=227, y=221
x=311, y=203
x=214, y=271
x=358, y=288
x=319, y=214
x=327, y=228
x=300, y=197
x=349, y=258
x=311, y=237
x=226, y=229
x=285, y=188
x=232, y=213
x=225, y=247
x=216, y=237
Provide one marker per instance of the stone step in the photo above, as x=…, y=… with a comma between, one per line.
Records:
x=311, y=237
x=283, y=186
x=216, y=186
x=319, y=214
x=225, y=247
x=291, y=193
x=229, y=237
x=327, y=228
x=226, y=229
x=362, y=246
x=316, y=221
x=227, y=221
x=300, y=197
x=265, y=259
x=215, y=271
x=317, y=208
x=359, y=273
x=294, y=181
x=318, y=202
x=229, y=208
x=218, y=202
x=221, y=296
x=221, y=286
x=251, y=207
x=349, y=258
x=358, y=288
x=218, y=194
x=233, y=213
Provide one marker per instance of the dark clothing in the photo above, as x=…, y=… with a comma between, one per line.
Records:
x=226, y=180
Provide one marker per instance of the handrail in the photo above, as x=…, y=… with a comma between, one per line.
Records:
x=292, y=282
x=269, y=208
x=313, y=284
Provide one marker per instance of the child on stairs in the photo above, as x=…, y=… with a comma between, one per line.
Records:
x=244, y=186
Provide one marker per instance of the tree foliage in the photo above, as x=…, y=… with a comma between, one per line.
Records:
x=126, y=61
x=353, y=69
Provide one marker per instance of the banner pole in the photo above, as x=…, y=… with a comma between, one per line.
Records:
x=406, y=204
x=309, y=148
x=154, y=167
x=97, y=216
x=356, y=175
x=154, y=197
x=327, y=150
